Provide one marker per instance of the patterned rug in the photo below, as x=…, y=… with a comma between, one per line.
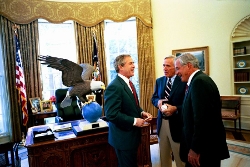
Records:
x=22, y=152
x=238, y=136
x=239, y=147
x=3, y=162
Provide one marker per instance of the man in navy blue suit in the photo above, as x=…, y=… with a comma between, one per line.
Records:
x=124, y=113
x=203, y=136
x=169, y=124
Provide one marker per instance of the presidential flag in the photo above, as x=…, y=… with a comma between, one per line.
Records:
x=96, y=74
x=20, y=82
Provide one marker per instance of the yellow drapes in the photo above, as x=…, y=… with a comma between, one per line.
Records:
x=86, y=14
x=85, y=44
x=146, y=65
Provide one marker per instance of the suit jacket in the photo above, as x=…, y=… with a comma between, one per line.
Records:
x=176, y=98
x=120, y=110
x=203, y=129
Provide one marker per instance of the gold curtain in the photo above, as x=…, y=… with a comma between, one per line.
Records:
x=10, y=59
x=28, y=35
x=146, y=66
x=28, y=38
x=85, y=46
x=87, y=14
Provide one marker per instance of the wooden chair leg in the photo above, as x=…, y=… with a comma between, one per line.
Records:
x=6, y=158
x=12, y=158
x=235, y=125
x=239, y=125
x=16, y=150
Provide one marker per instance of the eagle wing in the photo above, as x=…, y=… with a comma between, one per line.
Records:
x=71, y=72
x=87, y=71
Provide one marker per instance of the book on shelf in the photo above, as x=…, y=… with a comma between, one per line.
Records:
x=241, y=76
x=239, y=51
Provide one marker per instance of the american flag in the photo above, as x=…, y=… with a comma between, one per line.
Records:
x=20, y=82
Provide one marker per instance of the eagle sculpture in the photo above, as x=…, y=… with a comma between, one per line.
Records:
x=75, y=76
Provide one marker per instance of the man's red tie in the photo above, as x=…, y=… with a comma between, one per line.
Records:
x=134, y=92
x=186, y=89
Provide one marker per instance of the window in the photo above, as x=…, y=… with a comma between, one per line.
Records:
x=4, y=105
x=121, y=37
x=57, y=40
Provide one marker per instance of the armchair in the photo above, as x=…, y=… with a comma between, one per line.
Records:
x=69, y=113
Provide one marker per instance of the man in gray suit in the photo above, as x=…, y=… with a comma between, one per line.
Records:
x=169, y=124
x=124, y=113
x=203, y=136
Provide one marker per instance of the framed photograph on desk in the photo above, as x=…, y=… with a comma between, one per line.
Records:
x=35, y=103
x=46, y=106
x=90, y=97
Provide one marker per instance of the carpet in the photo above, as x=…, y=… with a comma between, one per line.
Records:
x=22, y=152
x=3, y=162
x=239, y=147
x=238, y=136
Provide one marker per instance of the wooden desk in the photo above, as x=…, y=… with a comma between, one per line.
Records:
x=90, y=150
x=38, y=118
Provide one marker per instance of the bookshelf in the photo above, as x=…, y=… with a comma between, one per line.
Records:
x=241, y=67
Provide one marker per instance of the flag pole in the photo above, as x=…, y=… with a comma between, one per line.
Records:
x=20, y=82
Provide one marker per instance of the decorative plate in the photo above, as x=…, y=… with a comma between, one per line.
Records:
x=241, y=63
x=243, y=90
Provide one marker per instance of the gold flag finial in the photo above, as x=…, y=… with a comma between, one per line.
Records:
x=15, y=27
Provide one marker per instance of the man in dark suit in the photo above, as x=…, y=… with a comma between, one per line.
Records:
x=124, y=114
x=169, y=123
x=204, y=138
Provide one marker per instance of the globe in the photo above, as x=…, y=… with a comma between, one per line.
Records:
x=92, y=112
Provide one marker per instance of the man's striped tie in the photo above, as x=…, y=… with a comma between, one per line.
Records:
x=167, y=94
x=168, y=88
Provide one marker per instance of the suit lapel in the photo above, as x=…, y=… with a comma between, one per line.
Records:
x=163, y=85
x=126, y=88
x=175, y=85
x=190, y=86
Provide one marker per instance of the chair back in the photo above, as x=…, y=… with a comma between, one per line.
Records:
x=69, y=113
x=231, y=108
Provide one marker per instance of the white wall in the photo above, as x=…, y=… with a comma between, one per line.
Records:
x=179, y=24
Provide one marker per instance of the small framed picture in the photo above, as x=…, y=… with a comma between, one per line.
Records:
x=35, y=104
x=90, y=97
x=46, y=106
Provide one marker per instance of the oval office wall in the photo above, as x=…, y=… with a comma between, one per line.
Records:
x=195, y=23
x=179, y=25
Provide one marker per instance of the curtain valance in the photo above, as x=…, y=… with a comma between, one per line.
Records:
x=86, y=14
